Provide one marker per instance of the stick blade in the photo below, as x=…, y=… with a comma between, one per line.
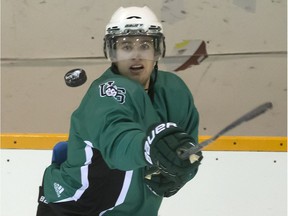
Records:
x=259, y=110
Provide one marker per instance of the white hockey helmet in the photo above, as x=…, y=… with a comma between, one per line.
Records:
x=133, y=22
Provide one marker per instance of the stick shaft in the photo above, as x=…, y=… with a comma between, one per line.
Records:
x=184, y=154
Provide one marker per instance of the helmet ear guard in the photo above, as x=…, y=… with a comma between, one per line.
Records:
x=108, y=47
x=160, y=47
x=134, y=21
x=105, y=48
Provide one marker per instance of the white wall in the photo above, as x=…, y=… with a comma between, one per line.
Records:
x=228, y=184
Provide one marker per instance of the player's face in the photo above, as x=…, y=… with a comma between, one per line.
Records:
x=136, y=58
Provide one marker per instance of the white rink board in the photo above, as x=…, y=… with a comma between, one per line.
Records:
x=234, y=184
x=228, y=184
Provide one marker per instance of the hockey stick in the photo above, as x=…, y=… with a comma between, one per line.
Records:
x=185, y=153
x=190, y=153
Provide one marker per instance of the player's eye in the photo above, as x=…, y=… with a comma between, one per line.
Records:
x=126, y=47
x=145, y=46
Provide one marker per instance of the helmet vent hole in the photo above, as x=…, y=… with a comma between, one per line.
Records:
x=153, y=27
x=132, y=17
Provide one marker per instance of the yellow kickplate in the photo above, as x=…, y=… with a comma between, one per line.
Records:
x=224, y=143
x=31, y=141
x=247, y=143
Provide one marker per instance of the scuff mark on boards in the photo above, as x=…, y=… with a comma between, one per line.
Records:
x=202, y=78
x=188, y=52
x=277, y=1
x=173, y=11
x=247, y=5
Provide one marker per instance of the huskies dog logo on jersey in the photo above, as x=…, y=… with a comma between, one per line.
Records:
x=109, y=89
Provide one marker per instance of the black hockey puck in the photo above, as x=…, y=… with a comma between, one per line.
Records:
x=75, y=77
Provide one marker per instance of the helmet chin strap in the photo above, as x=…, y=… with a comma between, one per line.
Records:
x=152, y=82
x=114, y=68
x=155, y=71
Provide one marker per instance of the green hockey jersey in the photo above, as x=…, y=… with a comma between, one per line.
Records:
x=105, y=162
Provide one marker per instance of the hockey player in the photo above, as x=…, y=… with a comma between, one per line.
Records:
x=132, y=118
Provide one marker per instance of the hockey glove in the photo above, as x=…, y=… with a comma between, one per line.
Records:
x=162, y=186
x=167, y=185
x=160, y=149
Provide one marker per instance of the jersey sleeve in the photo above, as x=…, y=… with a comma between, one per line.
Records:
x=178, y=103
x=113, y=116
x=189, y=118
